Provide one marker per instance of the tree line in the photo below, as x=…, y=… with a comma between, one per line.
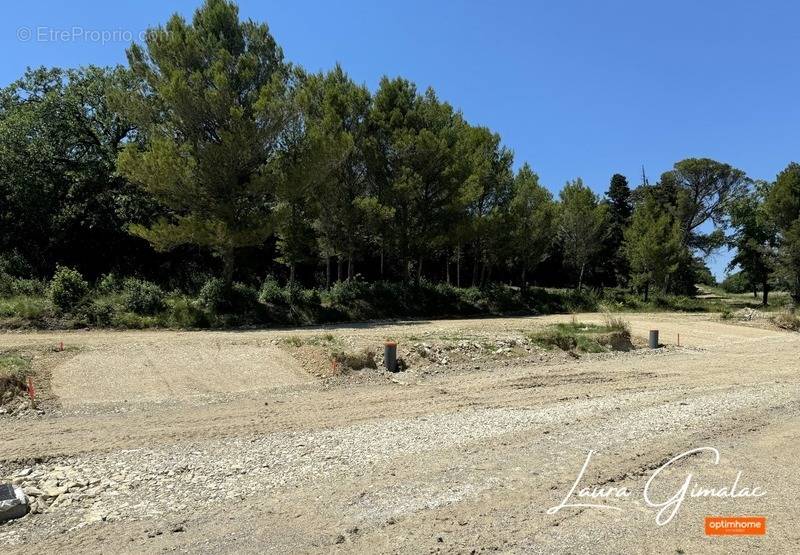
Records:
x=210, y=150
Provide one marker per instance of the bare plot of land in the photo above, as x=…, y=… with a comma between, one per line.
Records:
x=172, y=370
x=458, y=458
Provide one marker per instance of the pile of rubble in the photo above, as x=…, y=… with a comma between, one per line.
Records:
x=61, y=486
x=748, y=314
x=468, y=350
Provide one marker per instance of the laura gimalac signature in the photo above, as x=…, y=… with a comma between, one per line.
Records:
x=668, y=507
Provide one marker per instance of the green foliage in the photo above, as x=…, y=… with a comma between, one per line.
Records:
x=14, y=364
x=13, y=286
x=68, y=289
x=614, y=264
x=652, y=246
x=31, y=309
x=211, y=140
x=783, y=205
x=271, y=292
x=582, y=227
x=698, y=190
x=61, y=196
x=218, y=298
x=585, y=337
x=185, y=313
x=14, y=369
x=100, y=312
x=738, y=282
x=142, y=297
x=754, y=239
x=555, y=337
x=532, y=215
x=214, y=295
x=109, y=283
x=214, y=96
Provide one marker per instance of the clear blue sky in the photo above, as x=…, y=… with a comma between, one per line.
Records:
x=574, y=88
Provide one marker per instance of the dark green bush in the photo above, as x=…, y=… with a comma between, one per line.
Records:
x=271, y=292
x=14, y=264
x=212, y=295
x=184, y=313
x=237, y=299
x=109, y=283
x=68, y=289
x=12, y=286
x=343, y=293
x=99, y=312
x=142, y=297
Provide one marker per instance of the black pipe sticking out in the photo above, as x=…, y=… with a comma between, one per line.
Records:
x=390, y=356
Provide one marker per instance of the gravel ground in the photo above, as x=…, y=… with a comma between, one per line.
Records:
x=446, y=457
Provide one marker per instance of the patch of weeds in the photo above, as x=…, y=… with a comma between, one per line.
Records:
x=13, y=371
x=787, y=320
x=554, y=337
x=325, y=340
x=584, y=337
x=293, y=341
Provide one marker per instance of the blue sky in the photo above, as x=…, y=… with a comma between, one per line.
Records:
x=575, y=88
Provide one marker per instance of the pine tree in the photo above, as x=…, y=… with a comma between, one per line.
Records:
x=213, y=103
x=532, y=221
x=653, y=246
x=583, y=225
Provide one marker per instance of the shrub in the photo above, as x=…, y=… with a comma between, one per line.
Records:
x=239, y=298
x=212, y=294
x=616, y=324
x=14, y=264
x=12, y=286
x=99, y=312
x=109, y=283
x=28, y=308
x=298, y=296
x=68, y=289
x=142, y=297
x=184, y=313
x=343, y=293
x=271, y=292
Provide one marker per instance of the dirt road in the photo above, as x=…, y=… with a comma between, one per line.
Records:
x=227, y=441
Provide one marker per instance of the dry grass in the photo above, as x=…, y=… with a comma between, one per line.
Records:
x=356, y=360
x=13, y=370
x=787, y=320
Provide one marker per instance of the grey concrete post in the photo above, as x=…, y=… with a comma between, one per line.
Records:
x=654, y=339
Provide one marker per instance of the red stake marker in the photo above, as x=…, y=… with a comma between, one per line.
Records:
x=31, y=390
x=61, y=346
